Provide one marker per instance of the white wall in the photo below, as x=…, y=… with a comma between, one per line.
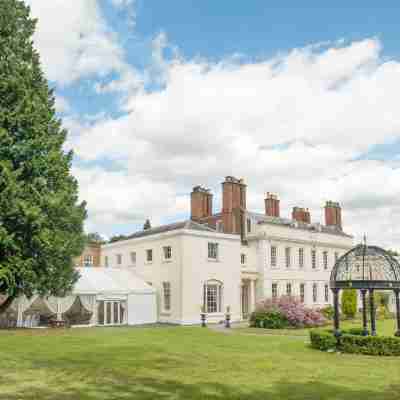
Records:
x=155, y=272
x=198, y=269
x=187, y=271
x=268, y=235
x=142, y=309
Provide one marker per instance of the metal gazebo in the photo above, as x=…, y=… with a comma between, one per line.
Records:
x=366, y=268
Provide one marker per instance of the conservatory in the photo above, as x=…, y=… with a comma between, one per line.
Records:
x=102, y=296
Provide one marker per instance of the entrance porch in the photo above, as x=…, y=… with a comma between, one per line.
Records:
x=247, y=297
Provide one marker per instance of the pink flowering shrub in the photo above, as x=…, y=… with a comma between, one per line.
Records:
x=292, y=310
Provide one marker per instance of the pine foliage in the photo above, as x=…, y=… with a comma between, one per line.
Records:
x=41, y=220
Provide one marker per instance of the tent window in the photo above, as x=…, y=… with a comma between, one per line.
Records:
x=111, y=312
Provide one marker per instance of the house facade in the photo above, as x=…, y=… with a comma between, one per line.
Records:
x=232, y=258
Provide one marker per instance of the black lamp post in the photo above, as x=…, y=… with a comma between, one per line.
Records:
x=397, y=295
x=336, y=319
x=228, y=317
x=372, y=311
x=203, y=317
x=364, y=311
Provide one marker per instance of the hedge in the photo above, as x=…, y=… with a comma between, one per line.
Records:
x=322, y=340
x=371, y=345
x=355, y=344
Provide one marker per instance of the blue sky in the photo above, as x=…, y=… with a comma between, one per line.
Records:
x=217, y=28
x=298, y=99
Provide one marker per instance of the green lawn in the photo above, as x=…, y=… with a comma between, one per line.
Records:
x=184, y=363
x=386, y=327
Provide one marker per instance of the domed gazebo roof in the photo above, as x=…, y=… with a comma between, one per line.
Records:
x=365, y=267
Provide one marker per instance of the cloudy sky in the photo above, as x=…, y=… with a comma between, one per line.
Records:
x=159, y=96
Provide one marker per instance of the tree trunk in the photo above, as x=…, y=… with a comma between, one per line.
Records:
x=4, y=306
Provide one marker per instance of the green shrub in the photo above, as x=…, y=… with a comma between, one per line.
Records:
x=275, y=320
x=269, y=320
x=349, y=303
x=322, y=340
x=353, y=331
x=255, y=319
x=355, y=343
x=328, y=312
x=371, y=345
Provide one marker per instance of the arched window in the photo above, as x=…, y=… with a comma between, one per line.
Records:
x=212, y=296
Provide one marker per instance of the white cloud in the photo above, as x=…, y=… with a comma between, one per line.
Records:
x=62, y=105
x=76, y=42
x=291, y=124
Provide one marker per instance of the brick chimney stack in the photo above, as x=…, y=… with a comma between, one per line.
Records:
x=272, y=208
x=234, y=205
x=301, y=215
x=200, y=203
x=333, y=214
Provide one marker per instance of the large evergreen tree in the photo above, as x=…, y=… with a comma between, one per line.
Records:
x=41, y=221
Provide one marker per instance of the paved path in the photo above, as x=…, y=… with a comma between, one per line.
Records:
x=234, y=330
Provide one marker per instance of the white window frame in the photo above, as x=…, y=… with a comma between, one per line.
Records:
x=243, y=259
x=289, y=289
x=288, y=259
x=313, y=259
x=301, y=257
x=274, y=256
x=315, y=292
x=167, y=253
x=166, y=296
x=302, y=292
x=326, y=293
x=274, y=290
x=210, y=289
x=119, y=259
x=149, y=252
x=213, y=251
x=325, y=259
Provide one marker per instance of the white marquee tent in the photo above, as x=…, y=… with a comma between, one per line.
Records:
x=106, y=296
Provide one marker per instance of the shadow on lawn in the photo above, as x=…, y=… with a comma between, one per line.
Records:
x=146, y=389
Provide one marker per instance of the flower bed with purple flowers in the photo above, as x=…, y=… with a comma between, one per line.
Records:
x=284, y=312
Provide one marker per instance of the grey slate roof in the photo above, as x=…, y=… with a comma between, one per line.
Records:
x=314, y=227
x=171, y=227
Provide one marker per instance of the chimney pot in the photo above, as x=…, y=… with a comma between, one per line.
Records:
x=333, y=214
x=200, y=203
x=272, y=205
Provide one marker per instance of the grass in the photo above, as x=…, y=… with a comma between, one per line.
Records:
x=384, y=328
x=184, y=363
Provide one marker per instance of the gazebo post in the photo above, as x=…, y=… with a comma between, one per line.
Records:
x=364, y=311
x=336, y=311
x=372, y=311
x=397, y=295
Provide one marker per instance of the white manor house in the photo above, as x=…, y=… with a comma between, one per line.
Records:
x=230, y=259
x=213, y=261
